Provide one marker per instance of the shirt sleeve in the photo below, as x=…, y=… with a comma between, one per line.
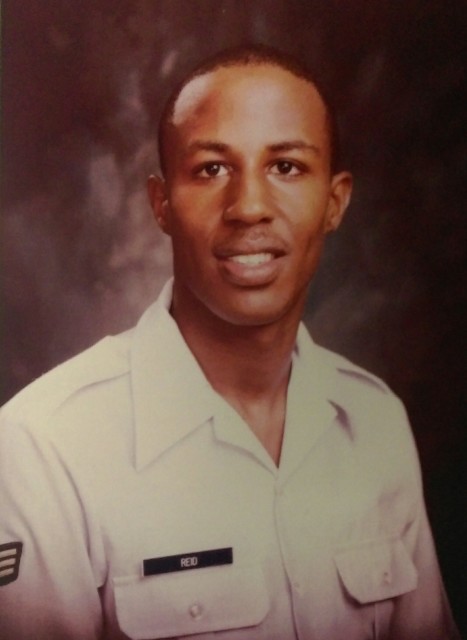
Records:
x=421, y=612
x=48, y=588
x=424, y=613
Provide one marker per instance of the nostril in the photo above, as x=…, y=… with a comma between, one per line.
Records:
x=245, y=218
x=247, y=211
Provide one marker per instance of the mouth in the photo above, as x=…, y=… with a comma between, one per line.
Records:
x=252, y=259
x=250, y=269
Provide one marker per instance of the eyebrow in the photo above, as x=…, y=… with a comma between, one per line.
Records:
x=291, y=145
x=207, y=145
x=277, y=147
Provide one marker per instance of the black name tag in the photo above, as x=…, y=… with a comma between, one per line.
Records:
x=185, y=561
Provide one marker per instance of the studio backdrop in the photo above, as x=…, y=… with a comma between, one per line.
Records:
x=83, y=84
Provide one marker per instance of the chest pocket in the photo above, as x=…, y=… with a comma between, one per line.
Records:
x=190, y=602
x=376, y=570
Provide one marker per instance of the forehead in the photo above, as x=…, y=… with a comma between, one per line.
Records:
x=252, y=97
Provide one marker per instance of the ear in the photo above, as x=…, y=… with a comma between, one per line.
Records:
x=339, y=198
x=159, y=203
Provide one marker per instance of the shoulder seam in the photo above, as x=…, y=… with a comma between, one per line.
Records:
x=64, y=386
x=362, y=374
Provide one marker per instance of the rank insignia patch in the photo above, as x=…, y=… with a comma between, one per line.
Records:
x=10, y=555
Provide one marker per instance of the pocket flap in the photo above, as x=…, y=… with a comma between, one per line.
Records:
x=376, y=570
x=190, y=602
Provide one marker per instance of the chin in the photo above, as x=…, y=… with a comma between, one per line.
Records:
x=253, y=310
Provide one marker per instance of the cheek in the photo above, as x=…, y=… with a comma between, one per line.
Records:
x=309, y=237
x=188, y=197
x=195, y=212
x=304, y=203
x=308, y=229
x=315, y=241
x=191, y=236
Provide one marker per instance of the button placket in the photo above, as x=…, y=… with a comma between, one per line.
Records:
x=292, y=572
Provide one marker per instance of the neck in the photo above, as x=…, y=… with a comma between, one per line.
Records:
x=244, y=360
x=248, y=365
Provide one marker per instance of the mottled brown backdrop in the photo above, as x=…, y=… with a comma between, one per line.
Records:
x=83, y=83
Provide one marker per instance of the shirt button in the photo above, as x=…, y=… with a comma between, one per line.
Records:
x=196, y=611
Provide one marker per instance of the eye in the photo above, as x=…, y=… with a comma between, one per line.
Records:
x=286, y=168
x=211, y=170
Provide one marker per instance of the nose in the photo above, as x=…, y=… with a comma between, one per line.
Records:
x=248, y=200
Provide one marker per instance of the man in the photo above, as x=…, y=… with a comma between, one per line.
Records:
x=214, y=471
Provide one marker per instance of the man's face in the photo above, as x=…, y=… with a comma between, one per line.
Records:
x=249, y=196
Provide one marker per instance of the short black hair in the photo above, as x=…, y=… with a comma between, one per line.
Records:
x=255, y=54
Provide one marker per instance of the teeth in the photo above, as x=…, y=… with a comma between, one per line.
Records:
x=252, y=259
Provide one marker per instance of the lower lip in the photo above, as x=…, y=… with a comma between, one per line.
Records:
x=249, y=275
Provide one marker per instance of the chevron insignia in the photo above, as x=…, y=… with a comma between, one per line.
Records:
x=10, y=555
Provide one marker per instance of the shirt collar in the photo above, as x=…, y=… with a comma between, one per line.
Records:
x=168, y=386
x=310, y=404
x=170, y=390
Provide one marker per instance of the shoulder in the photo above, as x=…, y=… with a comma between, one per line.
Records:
x=91, y=369
x=354, y=379
x=375, y=420
x=366, y=399
x=329, y=363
